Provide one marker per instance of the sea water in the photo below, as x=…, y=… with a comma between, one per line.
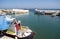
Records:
x=44, y=26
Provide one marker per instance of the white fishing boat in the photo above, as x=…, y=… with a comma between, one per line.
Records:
x=23, y=33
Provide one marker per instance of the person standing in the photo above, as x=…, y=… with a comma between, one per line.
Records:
x=17, y=28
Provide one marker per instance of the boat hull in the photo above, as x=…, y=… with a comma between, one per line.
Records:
x=27, y=37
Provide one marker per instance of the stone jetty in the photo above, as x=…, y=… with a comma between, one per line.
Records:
x=47, y=12
x=15, y=11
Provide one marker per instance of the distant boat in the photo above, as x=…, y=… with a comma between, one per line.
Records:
x=36, y=11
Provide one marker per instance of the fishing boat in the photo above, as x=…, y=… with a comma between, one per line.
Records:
x=36, y=11
x=24, y=31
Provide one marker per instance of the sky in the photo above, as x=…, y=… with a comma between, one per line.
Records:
x=49, y=4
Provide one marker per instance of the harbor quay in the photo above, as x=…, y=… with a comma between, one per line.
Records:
x=15, y=11
x=47, y=12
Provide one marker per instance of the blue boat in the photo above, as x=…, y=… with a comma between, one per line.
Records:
x=4, y=24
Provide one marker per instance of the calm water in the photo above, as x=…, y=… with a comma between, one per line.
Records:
x=45, y=27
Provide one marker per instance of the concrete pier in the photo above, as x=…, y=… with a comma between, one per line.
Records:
x=16, y=11
x=47, y=12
